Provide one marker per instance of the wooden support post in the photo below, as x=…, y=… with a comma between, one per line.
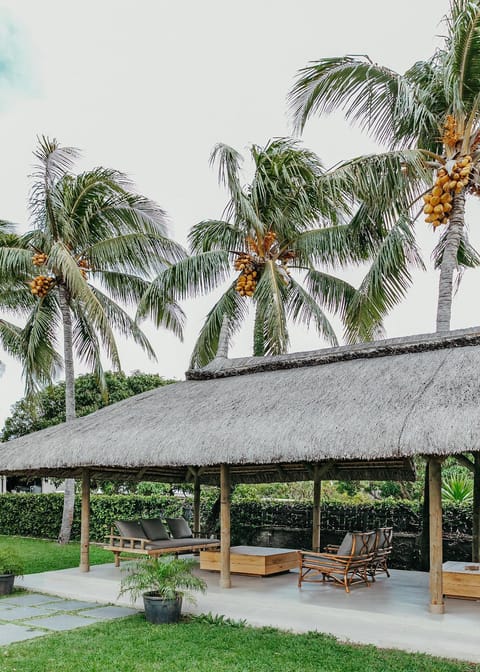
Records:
x=85, y=523
x=196, y=506
x=476, y=510
x=316, y=514
x=225, y=580
x=437, y=605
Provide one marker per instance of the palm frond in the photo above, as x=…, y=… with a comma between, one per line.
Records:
x=230, y=305
x=213, y=234
x=271, y=295
x=389, y=276
x=121, y=321
x=371, y=95
x=467, y=255
x=461, y=56
x=362, y=320
x=302, y=308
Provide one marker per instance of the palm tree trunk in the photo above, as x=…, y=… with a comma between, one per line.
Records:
x=476, y=510
x=258, y=334
x=449, y=262
x=69, y=492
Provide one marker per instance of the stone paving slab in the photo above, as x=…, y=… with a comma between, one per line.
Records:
x=67, y=605
x=13, y=613
x=31, y=598
x=12, y=632
x=108, y=612
x=63, y=622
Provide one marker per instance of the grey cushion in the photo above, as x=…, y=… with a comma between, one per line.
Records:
x=130, y=528
x=179, y=528
x=154, y=529
x=178, y=543
x=345, y=547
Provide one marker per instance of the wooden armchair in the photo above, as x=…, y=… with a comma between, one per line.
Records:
x=382, y=550
x=348, y=565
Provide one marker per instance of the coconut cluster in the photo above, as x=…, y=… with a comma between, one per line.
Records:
x=438, y=202
x=41, y=285
x=39, y=259
x=247, y=280
x=84, y=267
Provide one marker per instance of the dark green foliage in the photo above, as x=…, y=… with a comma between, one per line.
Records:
x=39, y=515
x=47, y=408
x=255, y=523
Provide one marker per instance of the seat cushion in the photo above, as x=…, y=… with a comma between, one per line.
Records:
x=179, y=528
x=130, y=528
x=345, y=547
x=154, y=529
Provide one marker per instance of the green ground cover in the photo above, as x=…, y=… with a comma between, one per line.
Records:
x=133, y=644
x=40, y=555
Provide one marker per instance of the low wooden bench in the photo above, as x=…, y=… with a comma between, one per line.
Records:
x=133, y=545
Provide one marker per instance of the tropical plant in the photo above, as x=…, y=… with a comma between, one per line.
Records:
x=457, y=489
x=89, y=231
x=167, y=577
x=276, y=231
x=433, y=107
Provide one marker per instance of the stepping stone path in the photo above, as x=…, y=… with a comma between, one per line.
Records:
x=34, y=615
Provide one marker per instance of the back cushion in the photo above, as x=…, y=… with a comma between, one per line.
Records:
x=155, y=529
x=130, y=528
x=179, y=528
x=345, y=547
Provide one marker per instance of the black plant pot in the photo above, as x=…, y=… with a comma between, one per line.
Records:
x=6, y=583
x=159, y=610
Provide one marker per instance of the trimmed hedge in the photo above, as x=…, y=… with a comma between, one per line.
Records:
x=254, y=523
x=30, y=515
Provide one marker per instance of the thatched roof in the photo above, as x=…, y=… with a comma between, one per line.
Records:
x=357, y=411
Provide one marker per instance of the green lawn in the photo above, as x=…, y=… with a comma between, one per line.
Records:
x=133, y=645
x=43, y=556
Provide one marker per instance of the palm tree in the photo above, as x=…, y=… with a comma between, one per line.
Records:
x=291, y=218
x=93, y=246
x=433, y=107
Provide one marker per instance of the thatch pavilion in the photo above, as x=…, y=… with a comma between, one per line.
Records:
x=358, y=412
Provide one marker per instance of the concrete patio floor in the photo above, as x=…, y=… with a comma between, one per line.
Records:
x=392, y=613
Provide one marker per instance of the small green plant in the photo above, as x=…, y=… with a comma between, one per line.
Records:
x=11, y=562
x=166, y=577
x=458, y=489
x=219, y=619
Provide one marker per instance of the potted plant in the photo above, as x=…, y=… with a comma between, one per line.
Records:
x=11, y=565
x=163, y=582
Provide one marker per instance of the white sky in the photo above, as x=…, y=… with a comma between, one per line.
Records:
x=149, y=87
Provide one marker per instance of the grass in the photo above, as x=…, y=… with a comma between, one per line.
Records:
x=40, y=555
x=133, y=644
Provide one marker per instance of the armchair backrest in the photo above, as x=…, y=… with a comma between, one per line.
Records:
x=357, y=543
x=363, y=543
x=383, y=539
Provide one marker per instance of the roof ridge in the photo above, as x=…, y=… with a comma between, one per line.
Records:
x=221, y=368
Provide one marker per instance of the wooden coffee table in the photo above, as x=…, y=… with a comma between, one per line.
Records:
x=459, y=581
x=252, y=560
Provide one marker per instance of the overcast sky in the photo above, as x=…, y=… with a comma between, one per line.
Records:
x=149, y=87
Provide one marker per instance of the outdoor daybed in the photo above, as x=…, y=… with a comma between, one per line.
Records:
x=151, y=537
